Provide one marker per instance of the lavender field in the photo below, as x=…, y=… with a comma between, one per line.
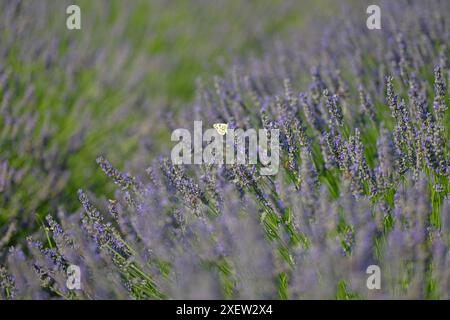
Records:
x=87, y=177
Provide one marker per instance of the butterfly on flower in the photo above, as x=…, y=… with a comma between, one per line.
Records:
x=221, y=128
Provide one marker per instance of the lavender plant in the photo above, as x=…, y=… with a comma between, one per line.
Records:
x=364, y=181
x=66, y=96
x=49, y=125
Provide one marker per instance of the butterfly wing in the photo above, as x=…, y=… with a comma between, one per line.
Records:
x=221, y=128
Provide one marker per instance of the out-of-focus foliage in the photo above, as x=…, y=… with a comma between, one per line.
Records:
x=67, y=96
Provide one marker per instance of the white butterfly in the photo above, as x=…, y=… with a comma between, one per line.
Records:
x=222, y=128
